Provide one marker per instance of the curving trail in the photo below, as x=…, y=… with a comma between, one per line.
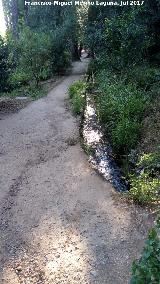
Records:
x=60, y=221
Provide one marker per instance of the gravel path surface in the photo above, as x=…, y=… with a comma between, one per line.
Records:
x=60, y=222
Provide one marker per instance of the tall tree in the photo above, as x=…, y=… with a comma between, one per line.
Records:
x=14, y=11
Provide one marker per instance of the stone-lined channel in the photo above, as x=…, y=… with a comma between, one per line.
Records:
x=101, y=155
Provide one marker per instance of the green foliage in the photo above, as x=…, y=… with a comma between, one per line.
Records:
x=33, y=91
x=125, y=135
x=120, y=37
x=4, y=66
x=77, y=96
x=126, y=39
x=87, y=148
x=124, y=43
x=40, y=43
x=120, y=108
x=77, y=87
x=62, y=61
x=144, y=188
x=143, y=76
x=39, y=56
x=34, y=56
x=60, y=51
x=147, y=269
x=19, y=77
x=78, y=102
x=150, y=161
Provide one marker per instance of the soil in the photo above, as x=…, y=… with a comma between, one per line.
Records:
x=11, y=105
x=60, y=222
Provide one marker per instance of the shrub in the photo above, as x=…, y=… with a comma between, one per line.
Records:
x=150, y=161
x=36, y=92
x=34, y=57
x=77, y=87
x=19, y=78
x=77, y=96
x=147, y=269
x=144, y=188
x=78, y=102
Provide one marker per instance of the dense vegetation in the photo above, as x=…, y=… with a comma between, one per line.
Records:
x=124, y=43
x=4, y=68
x=40, y=43
x=147, y=269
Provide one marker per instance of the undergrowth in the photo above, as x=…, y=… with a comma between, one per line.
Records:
x=30, y=91
x=120, y=108
x=147, y=269
x=144, y=188
x=77, y=96
x=145, y=183
x=123, y=101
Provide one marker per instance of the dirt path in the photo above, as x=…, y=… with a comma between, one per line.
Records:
x=60, y=222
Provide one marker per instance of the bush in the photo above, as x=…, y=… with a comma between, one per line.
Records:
x=19, y=78
x=34, y=57
x=38, y=55
x=77, y=96
x=145, y=184
x=147, y=269
x=144, y=188
x=78, y=102
x=77, y=87
x=150, y=161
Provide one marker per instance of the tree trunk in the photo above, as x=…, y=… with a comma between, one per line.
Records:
x=26, y=14
x=75, y=54
x=15, y=18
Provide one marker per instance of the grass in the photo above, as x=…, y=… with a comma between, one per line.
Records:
x=77, y=96
x=120, y=109
x=87, y=148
